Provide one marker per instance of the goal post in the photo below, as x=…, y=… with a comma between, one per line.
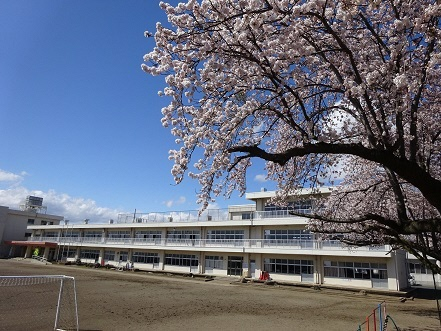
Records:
x=38, y=303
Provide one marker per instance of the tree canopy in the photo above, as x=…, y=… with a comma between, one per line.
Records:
x=317, y=89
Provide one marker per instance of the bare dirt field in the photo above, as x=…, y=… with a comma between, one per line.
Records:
x=115, y=300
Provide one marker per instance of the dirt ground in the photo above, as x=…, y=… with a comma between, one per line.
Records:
x=116, y=300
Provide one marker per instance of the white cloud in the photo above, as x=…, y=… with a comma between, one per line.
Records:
x=77, y=209
x=170, y=203
x=213, y=205
x=260, y=178
x=11, y=177
x=12, y=197
x=74, y=209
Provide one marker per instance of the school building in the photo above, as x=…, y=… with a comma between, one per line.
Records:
x=251, y=240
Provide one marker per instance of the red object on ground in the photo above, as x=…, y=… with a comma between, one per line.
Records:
x=264, y=275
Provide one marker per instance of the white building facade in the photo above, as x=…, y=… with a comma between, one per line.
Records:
x=14, y=229
x=243, y=241
x=420, y=273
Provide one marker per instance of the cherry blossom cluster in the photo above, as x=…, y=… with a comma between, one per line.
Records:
x=317, y=89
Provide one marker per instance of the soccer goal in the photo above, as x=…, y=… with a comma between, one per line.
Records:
x=38, y=303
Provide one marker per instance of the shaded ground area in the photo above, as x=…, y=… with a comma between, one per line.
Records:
x=115, y=300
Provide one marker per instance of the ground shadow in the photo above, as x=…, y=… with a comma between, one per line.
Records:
x=426, y=293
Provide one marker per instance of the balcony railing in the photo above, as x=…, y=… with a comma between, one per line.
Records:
x=213, y=243
x=177, y=216
x=213, y=215
x=279, y=213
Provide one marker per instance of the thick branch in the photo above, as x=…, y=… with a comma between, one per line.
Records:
x=407, y=228
x=409, y=171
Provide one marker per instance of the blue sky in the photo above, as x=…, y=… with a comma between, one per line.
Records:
x=80, y=121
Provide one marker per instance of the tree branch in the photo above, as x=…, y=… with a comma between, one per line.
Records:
x=410, y=171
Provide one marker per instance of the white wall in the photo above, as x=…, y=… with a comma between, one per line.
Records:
x=13, y=227
x=397, y=271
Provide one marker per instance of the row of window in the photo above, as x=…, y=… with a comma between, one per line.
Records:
x=70, y=234
x=183, y=234
x=111, y=234
x=67, y=253
x=288, y=234
x=93, y=234
x=191, y=234
x=355, y=270
x=119, y=234
x=152, y=234
x=148, y=257
x=225, y=234
x=109, y=255
x=301, y=205
x=418, y=268
x=214, y=262
x=287, y=266
x=31, y=221
x=94, y=254
x=182, y=260
x=347, y=270
x=145, y=257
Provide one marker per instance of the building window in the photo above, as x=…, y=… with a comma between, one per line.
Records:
x=214, y=262
x=31, y=221
x=123, y=256
x=28, y=234
x=118, y=234
x=51, y=234
x=145, y=257
x=183, y=234
x=288, y=235
x=93, y=234
x=43, y=223
x=247, y=216
x=302, y=206
x=355, y=270
x=286, y=266
x=148, y=234
x=66, y=252
x=92, y=254
x=225, y=235
x=418, y=268
x=109, y=255
x=182, y=260
x=70, y=234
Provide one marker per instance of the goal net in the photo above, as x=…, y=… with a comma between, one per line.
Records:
x=38, y=303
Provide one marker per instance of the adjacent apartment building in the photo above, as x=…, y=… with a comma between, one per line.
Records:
x=250, y=240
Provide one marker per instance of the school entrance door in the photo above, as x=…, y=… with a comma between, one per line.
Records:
x=235, y=265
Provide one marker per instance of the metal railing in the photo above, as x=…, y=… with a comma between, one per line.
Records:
x=211, y=215
x=214, y=215
x=280, y=213
x=296, y=244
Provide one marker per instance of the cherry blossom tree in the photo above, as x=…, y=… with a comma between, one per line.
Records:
x=314, y=88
